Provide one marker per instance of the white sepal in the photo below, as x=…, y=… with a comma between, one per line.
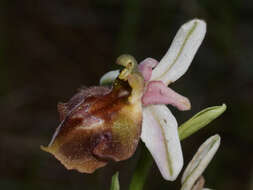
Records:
x=160, y=135
x=199, y=162
x=109, y=77
x=181, y=52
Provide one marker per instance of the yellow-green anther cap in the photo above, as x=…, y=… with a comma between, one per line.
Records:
x=129, y=63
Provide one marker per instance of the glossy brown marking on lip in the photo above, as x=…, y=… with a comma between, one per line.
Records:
x=92, y=104
x=68, y=112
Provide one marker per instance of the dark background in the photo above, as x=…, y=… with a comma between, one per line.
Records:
x=49, y=48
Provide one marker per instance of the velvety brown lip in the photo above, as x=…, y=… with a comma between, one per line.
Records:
x=99, y=124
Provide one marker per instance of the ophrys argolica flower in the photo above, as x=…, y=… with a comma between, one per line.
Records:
x=105, y=123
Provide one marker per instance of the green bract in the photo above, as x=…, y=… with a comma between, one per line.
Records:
x=200, y=120
x=115, y=182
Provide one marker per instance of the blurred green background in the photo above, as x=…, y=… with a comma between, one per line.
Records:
x=49, y=48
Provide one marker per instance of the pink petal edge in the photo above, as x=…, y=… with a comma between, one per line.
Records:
x=146, y=66
x=158, y=93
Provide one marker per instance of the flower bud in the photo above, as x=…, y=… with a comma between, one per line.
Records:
x=199, y=162
x=100, y=124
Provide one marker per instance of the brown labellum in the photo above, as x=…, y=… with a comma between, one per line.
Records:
x=99, y=124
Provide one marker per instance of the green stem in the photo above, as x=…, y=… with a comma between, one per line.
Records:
x=142, y=170
x=115, y=182
x=129, y=27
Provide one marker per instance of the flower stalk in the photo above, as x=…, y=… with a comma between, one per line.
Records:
x=142, y=170
x=115, y=182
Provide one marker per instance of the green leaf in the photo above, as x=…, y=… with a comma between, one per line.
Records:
x=200, y=120
x=115, y=182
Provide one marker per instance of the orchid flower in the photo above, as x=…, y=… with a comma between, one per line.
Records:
x=159, y=126
x=99, y=124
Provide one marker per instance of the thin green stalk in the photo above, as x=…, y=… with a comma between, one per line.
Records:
x=115, y=182
x=129, y=27
x=142, y=170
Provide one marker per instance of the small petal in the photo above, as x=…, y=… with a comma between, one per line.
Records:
x=109, y=77
x=160, y=135
x=181, y=52
x=146, y=66
x=158, y=93
x=200, y=161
